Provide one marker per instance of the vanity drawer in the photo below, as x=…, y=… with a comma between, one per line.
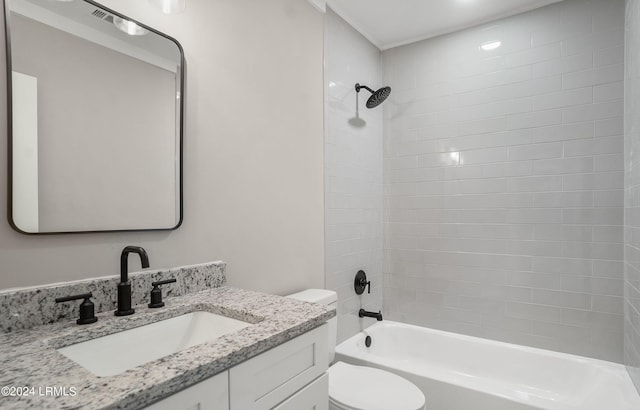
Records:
x=264, y=381
x=210, y=394
x=312, y=397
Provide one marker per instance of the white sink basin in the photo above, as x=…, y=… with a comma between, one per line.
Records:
x=115, y=353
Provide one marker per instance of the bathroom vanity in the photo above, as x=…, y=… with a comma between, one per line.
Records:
x=277, y=361
x=290, y=376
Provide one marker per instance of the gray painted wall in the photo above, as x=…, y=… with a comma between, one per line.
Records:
x=253, y=155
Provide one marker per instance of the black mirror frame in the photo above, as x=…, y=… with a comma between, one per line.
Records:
x=7, y=31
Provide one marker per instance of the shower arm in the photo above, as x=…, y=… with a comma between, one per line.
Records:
x=358, y=87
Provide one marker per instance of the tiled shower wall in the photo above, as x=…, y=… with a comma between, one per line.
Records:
x=503, y=183
x=353, y=174
x=632, y=192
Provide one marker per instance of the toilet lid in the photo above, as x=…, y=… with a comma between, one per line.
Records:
x=367, y=388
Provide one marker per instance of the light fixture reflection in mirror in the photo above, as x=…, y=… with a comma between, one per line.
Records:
x=128, y=27
x=170, y=6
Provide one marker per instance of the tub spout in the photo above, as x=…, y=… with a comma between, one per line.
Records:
x=364, y=313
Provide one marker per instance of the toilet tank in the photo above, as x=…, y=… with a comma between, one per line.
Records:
x=327, y=298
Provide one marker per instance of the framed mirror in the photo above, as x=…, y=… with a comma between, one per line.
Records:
x=95, y=120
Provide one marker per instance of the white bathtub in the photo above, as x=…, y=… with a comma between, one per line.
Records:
x=458, y=372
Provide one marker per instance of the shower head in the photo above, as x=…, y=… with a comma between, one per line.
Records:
x=377, y=97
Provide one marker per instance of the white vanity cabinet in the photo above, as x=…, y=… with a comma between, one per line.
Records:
x=291, y=376
x=210, y=394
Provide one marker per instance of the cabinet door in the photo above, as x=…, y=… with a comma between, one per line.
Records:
x=314, y=396
x=263, y=381
x=210, y=394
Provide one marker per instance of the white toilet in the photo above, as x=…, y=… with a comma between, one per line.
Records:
x=360, y=387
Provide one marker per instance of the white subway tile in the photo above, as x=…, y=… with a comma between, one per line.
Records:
x=535, y=184
x=598, y=111
x=579, y=199
x=595, y=320
x=582, y=250
x=607, y=15
x=608, y=269
x=593, y=181
x=496, y=109
x=595, y=146
x=536, y=151
x=482, y=186
x=533, y=55
x=494, y=79
x=481, y=216
x=535, y=312
x=516, y=212
x=593, y=41
x=576, y=18
x=607, y=251
x=608, y=56
x=563, y=65
x=567, y=98
x=483, y=126
x=607, y=234
x=535, y=248
x=488, y=200
x=564, y=132
x=563, y=266
x=563, y=166
x=439, y=160
x=608, y=304
x=483, y=156
x=593, y=216
x=534, y=119
x=507, y=169
x=609, y=127
x=533, y=216
x=576, y=233
x=561, y=331
x=608, y=92
x=496, y=139
x=478, y=260
x=562, y=299
x=604, y=163
x=511, y=91
x=497, y=231
x=596, y=76
x=614, y=198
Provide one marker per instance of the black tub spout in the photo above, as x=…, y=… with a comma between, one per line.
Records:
x=364, y=313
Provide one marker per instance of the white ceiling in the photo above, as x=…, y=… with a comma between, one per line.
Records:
x=391, y=23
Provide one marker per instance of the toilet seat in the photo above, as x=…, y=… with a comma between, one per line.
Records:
x=366, y=388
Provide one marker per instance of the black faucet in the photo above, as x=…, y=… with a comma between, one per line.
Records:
x=363, y=313
x=124, y=287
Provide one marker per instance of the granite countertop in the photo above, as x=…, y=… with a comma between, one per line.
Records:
x=28, y=358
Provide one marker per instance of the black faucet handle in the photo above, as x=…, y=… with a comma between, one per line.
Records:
x=87, y=309
x=156, y=293
x=361, y=282
x=163, y=282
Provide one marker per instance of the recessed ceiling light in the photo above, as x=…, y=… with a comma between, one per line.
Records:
x=491, y=45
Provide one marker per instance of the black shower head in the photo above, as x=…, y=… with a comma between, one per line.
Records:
x=377, y=97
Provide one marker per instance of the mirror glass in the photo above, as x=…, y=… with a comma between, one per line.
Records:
x=95, y=120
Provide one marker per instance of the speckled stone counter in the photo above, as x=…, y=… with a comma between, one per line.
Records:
x=29, y=357
x=29, y=307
